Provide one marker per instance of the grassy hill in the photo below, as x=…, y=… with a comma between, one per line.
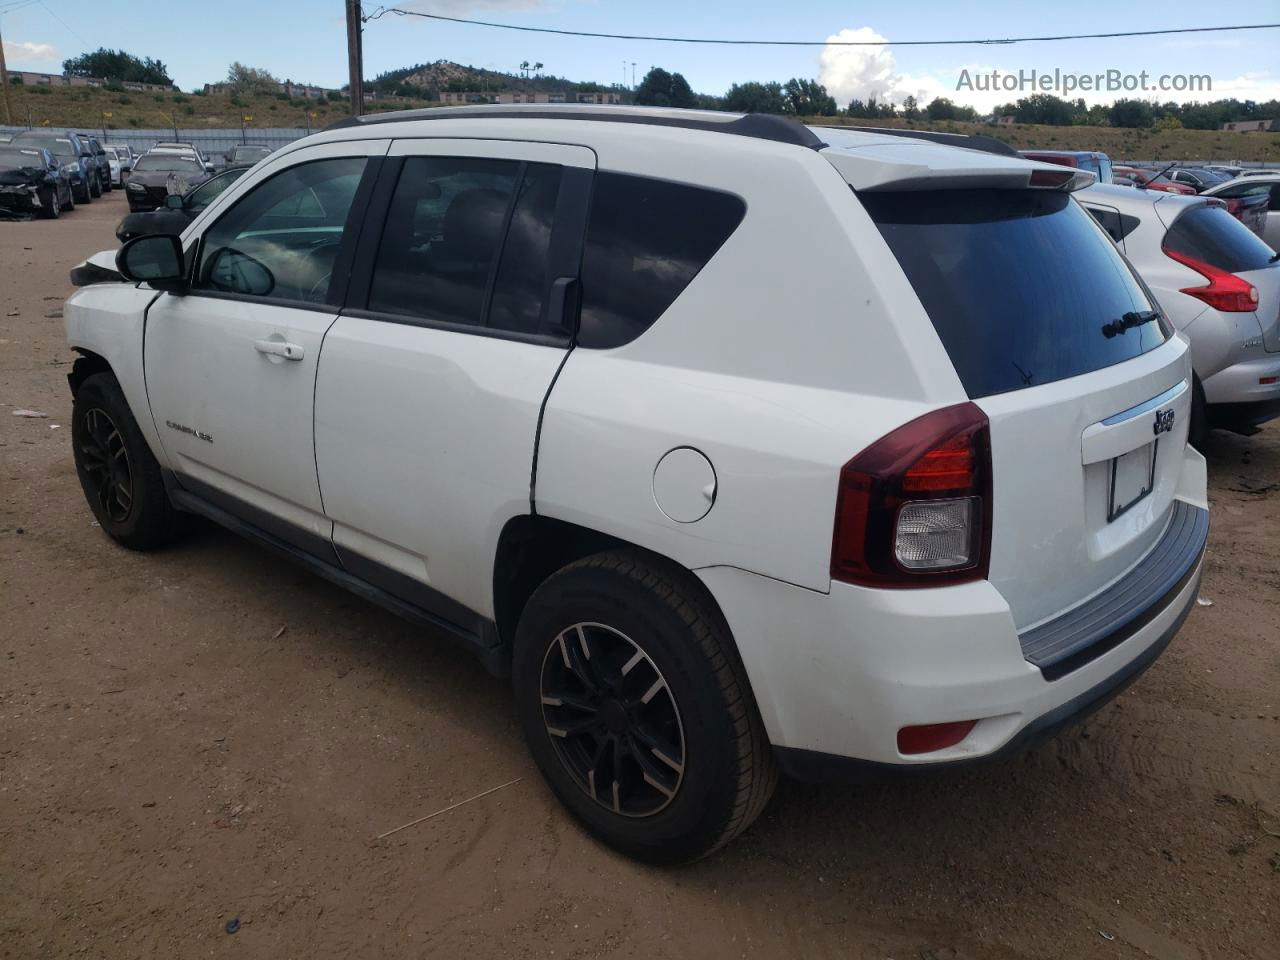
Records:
x=84, y=106
x=1117, y=142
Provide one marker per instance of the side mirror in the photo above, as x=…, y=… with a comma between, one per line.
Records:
x=155, y=259
x=173, y=202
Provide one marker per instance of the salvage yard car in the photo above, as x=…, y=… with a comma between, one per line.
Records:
x=178, y=211
x=1218, y=284
x=1262, y=185
x=158, y=174
x=32, y=182
x=570, y=404
x=73, y=155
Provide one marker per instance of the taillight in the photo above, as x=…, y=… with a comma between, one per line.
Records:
x=1053, y=179
x=1225, y=291
x=914, y=508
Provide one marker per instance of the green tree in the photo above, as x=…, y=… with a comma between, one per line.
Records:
x=117, y=65
x=245, y=79
x=1131, y=113
x=809, y=98
x=756, y=98
x=909, y=108
x=1043, y=108
x=940, y=108
x=662, y=89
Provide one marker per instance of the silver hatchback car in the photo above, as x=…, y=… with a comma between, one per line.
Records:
x=1219, y=285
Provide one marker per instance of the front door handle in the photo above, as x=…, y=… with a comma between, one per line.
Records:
x=278, y=348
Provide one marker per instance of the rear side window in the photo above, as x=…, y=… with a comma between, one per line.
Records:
x=467, y=239
x=1213, y=236
x=646, y=240
x=1021, y=285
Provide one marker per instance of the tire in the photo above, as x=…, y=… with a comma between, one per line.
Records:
x=86, y=194
x=95, y=186
x=682, y=711
x=50, y=206
x=1198, y=431
x=118, y=473
x=71, y=199
x=107, y=185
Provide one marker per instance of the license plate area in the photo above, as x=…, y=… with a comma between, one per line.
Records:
x=1133, y=476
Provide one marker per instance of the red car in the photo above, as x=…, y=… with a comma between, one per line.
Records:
x=1145, y=178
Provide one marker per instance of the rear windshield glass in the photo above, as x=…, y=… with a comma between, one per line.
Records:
x=166, y=164
x=1021, y=285
x=1213, y=236
x=248, y=153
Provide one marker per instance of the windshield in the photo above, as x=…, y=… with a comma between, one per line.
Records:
x=18, y=157
x=162, y=164
x=1021, y=285
x=58, y=146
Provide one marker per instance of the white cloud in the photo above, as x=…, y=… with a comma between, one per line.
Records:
x=29, y=52
x=866, y=72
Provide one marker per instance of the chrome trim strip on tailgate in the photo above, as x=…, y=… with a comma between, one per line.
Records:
x=1146, y=405
x=1088, y=631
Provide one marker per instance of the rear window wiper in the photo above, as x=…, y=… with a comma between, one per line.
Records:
x=1134, y=318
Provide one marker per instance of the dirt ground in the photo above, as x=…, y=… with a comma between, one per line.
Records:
x=171, y=761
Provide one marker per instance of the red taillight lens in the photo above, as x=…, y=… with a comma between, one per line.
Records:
x=1225, y=291
x=914, y=508
x=1052, y=179
x=933, y=736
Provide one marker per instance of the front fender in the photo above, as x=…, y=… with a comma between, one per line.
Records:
x=108, y=320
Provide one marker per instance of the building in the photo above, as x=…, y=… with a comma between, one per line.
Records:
x=1004, y=120
x=517, y=96
x=1250, y=126
x=304, y=91
x=31, y=78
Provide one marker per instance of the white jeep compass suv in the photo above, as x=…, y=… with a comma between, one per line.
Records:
x=740, y=445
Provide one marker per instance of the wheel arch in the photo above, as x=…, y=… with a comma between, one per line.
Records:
x=85, y=366
x=532, y=547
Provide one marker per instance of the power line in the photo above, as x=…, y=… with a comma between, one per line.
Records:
x=380, y=12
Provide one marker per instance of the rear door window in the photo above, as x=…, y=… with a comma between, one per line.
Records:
x=646, y=241
x=466, y=242
x=1213, y=236
x=1021, y=285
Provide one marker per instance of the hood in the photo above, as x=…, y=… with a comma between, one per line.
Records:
x=18, y=176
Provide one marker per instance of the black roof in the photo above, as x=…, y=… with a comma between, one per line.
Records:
x=759, y=126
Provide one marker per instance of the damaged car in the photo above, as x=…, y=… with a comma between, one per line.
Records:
x=157, y=175
x=32, y=183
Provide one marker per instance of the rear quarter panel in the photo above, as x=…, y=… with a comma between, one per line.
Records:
x=799, y=344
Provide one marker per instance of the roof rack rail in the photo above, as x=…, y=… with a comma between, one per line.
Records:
x=758, y=126
x=969, y=141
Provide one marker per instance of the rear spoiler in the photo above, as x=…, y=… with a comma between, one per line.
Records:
x=916, y=164
x=969, y=141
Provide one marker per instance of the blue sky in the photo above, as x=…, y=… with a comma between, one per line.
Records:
x=304, y=40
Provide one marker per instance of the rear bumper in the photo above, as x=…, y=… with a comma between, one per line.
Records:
x=837, y=675
x=1241, y=383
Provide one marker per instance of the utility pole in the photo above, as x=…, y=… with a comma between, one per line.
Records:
x=4, y=79
x=355, y=57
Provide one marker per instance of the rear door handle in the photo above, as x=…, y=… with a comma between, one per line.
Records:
x=278, y=348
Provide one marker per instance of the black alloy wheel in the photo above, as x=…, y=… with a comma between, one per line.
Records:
x=613, y=720
x=105, y=460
